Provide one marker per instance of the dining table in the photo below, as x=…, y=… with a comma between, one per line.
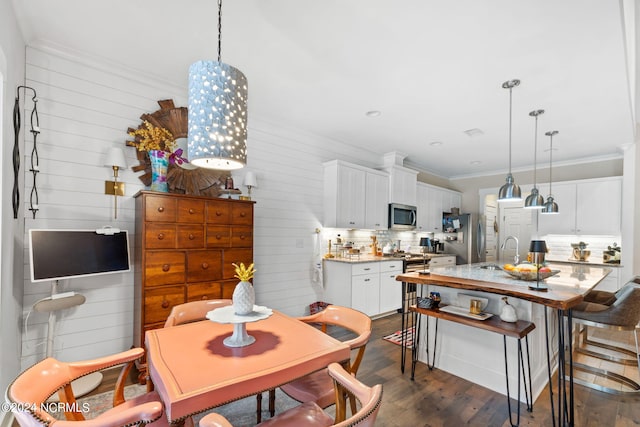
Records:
x=193, y=371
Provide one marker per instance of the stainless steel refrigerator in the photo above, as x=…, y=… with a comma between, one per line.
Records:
x=464, y=237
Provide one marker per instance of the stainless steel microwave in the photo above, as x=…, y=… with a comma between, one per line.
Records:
x=402, y=217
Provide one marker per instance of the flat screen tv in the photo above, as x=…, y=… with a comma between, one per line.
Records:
x=63, y=254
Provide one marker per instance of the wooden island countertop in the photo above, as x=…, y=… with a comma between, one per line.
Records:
x=566, y=289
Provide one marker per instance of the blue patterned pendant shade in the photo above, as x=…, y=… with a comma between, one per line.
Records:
x=217, y=116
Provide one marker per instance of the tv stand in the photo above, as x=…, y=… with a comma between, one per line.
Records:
x=63, y=301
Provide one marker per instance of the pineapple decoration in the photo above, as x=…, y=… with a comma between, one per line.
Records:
x=243, y=296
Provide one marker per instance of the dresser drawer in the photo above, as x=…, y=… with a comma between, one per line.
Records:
x=241, y=237
x=190, y=236
x=159, y=301
x=218, y=236
x=164, y=268
x=204, y=266
x=160, y=236
x=235, y=256
x=204, y=291
x=218, y=212
x=228, y=286
x=160, y=208
x=191, y=211
x=242, y=214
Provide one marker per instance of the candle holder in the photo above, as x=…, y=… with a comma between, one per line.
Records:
x=538, y=248
x=425, y=243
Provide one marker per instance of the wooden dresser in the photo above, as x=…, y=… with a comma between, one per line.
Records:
x=184, y=250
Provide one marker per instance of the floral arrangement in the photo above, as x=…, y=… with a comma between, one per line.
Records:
x=150, y=137
x=244, y=273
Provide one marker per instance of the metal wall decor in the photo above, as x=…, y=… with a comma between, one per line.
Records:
x=35, y=130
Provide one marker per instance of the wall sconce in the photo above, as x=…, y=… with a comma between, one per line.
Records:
x=115, y=159
x=250, y=181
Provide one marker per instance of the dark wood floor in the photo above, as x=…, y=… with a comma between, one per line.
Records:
x=437, y=398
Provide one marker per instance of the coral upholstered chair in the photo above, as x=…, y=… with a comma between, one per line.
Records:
x=27, y=394
x=309, y=414
x=193, y=311
x=318, y=387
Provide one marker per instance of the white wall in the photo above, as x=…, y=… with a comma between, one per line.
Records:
x=11, y=75
x=85, y=107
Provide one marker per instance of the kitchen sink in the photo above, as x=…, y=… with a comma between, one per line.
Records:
x=491, y=267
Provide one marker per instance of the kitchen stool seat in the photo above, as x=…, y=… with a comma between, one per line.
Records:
x=623, y=314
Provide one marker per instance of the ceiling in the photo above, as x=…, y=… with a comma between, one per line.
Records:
x=434, y=69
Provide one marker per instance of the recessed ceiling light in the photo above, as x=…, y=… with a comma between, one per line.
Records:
x=373, y=113
x=435, y=143
x=475, y=162
x=473, y=132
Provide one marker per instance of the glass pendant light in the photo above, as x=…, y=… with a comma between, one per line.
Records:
x=550, y=207
x=510, y=191
x=535, y=200
x=217, y=113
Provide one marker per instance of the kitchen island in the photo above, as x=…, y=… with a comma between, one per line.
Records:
x=476, y=354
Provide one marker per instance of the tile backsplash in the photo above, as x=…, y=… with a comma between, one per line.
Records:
x=560, y=245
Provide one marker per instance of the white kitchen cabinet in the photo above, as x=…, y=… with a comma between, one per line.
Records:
x=584, y=207
x=442, y=261
x=376, y=199
x=610, y=283
x=402, y=185
x=364, y=286
x=432, y=201
x=390, y=288
x=355, y=196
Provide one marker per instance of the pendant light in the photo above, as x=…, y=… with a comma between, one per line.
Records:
x=217, y=113
x=535, y=200
x=510, y=191
x=550, y=207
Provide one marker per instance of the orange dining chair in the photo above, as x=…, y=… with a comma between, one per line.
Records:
x=309, y=414
x=193, y=311
x=27, y=395
x=318, y=386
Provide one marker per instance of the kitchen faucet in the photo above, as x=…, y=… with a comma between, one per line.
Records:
x=516, y=258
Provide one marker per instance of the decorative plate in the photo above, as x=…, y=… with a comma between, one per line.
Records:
x=532, y=275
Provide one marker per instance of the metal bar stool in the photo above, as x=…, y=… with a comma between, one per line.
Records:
x=621, y=314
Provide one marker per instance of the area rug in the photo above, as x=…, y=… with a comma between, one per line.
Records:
x=241, y=413
x=397, y=337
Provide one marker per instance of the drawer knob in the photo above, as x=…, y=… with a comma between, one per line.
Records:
x=205, y=265
x=165, y=304
x=191, y=211
x=218, y=236
x=161, y=209
x=243, y=214
x=218, y=213
x=166, y=267
x=160, y=236
x=242, y=237
x=191, y=237
x=204, y=297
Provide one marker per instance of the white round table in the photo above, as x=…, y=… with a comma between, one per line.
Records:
x=239, y=338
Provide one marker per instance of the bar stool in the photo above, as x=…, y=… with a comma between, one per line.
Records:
x=623, y=314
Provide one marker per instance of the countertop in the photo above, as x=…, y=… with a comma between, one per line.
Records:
x=597, y=262
x=352, y=259
x=565, y=289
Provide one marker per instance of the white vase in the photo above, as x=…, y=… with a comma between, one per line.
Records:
x=508, y=313
x=243, y=298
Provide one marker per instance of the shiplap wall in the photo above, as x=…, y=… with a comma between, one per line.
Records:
x=86, y=107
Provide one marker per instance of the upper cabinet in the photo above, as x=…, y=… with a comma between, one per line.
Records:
x=355, y=196
x=585, y=207
x=402, y=185
x=432, y=201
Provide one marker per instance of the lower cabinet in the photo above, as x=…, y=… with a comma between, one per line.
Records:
x=369, y=287
x=442, y=261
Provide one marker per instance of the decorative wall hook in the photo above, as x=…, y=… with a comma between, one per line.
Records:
x=35, y=167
